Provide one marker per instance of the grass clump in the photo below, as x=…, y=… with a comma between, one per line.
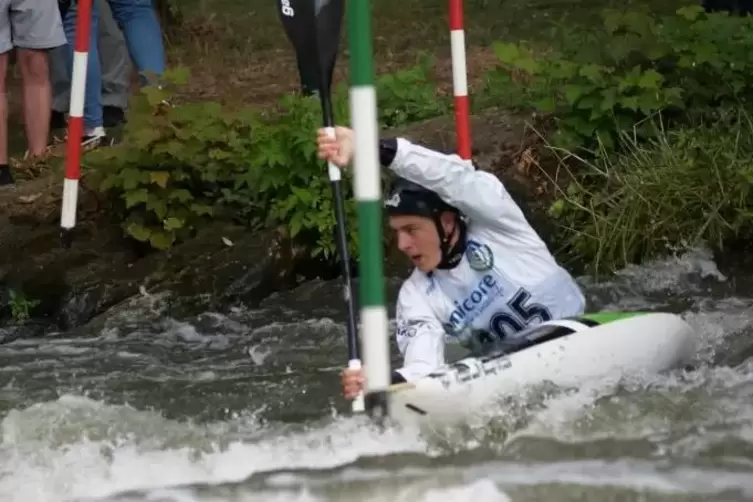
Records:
x=683, y=187
x=650, y=118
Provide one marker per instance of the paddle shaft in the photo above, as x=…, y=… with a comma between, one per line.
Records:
x=354, y=362
x=313, y=28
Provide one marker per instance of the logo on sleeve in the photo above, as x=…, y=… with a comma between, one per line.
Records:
x=479, y=256
x=408, y=329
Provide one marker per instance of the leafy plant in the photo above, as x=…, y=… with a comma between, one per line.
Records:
x=409, y=95
x=20, y=306
x=173, y=163
x=285, y=184
x=634, y=66
x=180, y=166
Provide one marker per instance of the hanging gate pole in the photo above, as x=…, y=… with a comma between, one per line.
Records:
x=460, y=80
x=75, y=121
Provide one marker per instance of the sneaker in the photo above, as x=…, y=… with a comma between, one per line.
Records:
x=95, y=138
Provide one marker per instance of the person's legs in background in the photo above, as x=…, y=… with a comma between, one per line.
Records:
x=143, y=35
x=6, y=178
x=33, y=28
x=94, y=132
x=116, y=67
x=60, y=63
x=6, y=45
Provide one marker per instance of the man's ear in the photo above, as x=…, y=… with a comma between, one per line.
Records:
x=449, y=221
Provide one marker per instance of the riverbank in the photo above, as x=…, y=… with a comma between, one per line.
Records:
x=225, y=262
x=183, y=203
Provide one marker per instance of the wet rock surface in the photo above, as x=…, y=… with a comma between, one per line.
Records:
x=69, y=286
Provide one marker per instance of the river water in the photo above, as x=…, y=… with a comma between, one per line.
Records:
x=244, y=406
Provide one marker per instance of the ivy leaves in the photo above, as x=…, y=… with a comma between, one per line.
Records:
x=180, y=166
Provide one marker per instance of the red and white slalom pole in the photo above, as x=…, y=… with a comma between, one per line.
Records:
x=460, y=80
x=75, y=120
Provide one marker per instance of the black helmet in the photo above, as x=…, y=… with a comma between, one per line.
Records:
x=408, y=198
x=411, y=199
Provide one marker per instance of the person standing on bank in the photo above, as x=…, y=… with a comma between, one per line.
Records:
x=32, y=27
x=143, y=36
x=94, y=131
x=116, y=74
x=481, y=275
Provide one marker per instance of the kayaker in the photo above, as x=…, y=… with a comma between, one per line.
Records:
x=481, y=271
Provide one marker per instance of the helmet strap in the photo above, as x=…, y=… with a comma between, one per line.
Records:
x=450, y=254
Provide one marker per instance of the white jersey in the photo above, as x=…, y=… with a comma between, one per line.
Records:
x=506, y=281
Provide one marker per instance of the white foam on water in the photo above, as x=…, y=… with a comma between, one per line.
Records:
x=483, y=490
x=490, y=482
x=637, y=476
x=54, y=464
x=77, y=448
x=44, y=460
x=649, y=408
x=426, y=489
x=680, y=274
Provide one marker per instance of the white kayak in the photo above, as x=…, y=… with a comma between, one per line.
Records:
x=566, y=352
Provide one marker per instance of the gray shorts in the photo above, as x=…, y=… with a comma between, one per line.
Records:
x=30, y=24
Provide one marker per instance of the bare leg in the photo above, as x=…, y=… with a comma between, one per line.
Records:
x=37, y=96
x=3, y=109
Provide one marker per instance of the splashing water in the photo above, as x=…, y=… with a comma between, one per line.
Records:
x=244, y=407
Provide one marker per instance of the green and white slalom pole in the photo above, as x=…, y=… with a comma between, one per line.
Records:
x=367, y=181
x=313, y=27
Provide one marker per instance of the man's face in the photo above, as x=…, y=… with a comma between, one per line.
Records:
x=418, y=238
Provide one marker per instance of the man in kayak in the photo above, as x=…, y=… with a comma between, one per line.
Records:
x=481, y=275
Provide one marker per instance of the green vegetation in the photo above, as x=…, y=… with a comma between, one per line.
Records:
x=651, y=120
x=650, y=114
x=613, y=77
x=181, y=166
x=684, y=186
x=20, y=306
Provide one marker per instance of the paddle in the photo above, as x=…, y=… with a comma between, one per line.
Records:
x=313, y=27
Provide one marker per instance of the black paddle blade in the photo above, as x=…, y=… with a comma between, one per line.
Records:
x=329, y=17
x=313, y=27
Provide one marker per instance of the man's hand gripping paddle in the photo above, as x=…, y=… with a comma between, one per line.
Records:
x=313, y=27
